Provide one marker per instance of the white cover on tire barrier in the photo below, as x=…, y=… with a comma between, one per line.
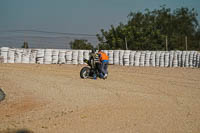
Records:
x=68, y=57
x=166, y=64
x=158, y=58
x=80, y=56
x=126, y=57
x=142, y=58
x=121, y=55
x=33, y=56
x=86, y=54
x=187, y=59
x=132, y=58
x=61, y=56
x=48, y=56
x=11, y=56
x=116, y=57
x=195, y=59
x=198, y=60
x=191, y=56
x=147, y=58
x=40, y=56
x=183, y=58
x=171, y=58
x=153, y=59
x=137, y=58
x=26, y=56
x=162, y=59
x=110, y=54
x=55, y=53
x=4, y=54
x=75, y=57
x=175, y=59
x=18, y=55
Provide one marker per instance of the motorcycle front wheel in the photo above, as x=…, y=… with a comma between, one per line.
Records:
x=2, y=95
x=85, y=72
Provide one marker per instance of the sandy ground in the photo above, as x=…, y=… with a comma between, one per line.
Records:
x=53, y=99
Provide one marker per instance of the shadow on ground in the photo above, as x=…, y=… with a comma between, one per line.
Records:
x=17, y=131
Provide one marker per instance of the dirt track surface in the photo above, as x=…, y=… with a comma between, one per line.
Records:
x=53, y=99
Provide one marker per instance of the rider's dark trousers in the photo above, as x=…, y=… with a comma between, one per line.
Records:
x=104, y=67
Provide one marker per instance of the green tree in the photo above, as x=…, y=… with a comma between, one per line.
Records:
x=80, y=44
x=148, y=30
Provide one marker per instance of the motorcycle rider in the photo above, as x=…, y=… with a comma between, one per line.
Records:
x=103, y=57
x=92, y=58
x=94, y=61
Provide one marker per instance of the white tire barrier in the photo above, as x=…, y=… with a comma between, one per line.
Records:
x=110, y=54
x=126, y=57
x=158, y=58
x=33, y=56
x=40, y=56
x=68, y=57
x=175, y=59
x=142, y=58
x=4, y=54
x=80, y=57
x=61, y=56
x=137, y=58
x=26, y=56
x=147, y=58
x=191, y=55
x=198, y=60
x=132, y=58
x=18, y=55
x=86, y=54
x=11, y=56
x=121, y=57
x=183, y=58
x=75, y=57
x=116, y=57
x=187, y=59
x=195, y=59
x=153, y=59
x=179, y=58
x=166, y=64
x=171, y=58
x=48, y=56
x=55, y=53
x=162, y=57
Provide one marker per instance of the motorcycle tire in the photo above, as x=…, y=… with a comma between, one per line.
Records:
x=85, y=72
x=2, y=95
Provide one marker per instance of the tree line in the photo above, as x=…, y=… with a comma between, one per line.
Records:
x=159, y=29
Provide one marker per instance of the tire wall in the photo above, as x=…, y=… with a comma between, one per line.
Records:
x=190, y=59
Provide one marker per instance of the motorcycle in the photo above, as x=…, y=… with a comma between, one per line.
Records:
x=89, y=72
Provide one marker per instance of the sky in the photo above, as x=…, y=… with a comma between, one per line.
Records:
x=23, y=17
x=77, y=16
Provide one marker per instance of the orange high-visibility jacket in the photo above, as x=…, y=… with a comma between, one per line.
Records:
x=103, y=56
